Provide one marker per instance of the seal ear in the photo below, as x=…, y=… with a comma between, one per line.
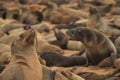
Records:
x=13, y=42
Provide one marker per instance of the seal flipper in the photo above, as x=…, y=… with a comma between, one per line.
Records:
x=52, y=75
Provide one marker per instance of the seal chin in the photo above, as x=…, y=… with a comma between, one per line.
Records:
x=30, y=38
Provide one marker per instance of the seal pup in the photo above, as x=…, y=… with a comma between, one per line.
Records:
x=98, y=45
x=55, y=59
x=64, y=42
x=24, y=63
x=62, y=39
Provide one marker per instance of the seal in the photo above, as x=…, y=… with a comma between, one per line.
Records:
x=59, y=17
x=24, y=63
x=62, y=39
x=117, y=43
x=11, y=25
x=46, y=71
x=55, y=59
x=31, y=18
x=98, y=45
x=95, y=21
x=3, y=11
x=5, y=54
x=44, y=46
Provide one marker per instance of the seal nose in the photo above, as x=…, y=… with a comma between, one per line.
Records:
x=26, y=27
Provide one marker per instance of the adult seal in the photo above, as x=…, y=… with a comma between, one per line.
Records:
x=98, y=46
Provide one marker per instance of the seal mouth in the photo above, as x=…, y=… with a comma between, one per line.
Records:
x=31, y=34
x=28, y=37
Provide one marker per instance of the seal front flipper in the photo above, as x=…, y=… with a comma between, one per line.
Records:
x=113, y=56
x=52, y=75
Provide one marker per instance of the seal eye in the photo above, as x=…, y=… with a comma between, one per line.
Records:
x=12, y=45
x=21, y=36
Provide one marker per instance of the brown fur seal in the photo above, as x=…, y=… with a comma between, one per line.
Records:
x=41, y=27
x=95, y=22
x=117, y=44
x=11, y=25
x=5, y=54
x=13, y=14
x=9, y=10
x=71, y=76
x=98, y=46
x=67, y=73
x=46, y=71
x=55, y=59
x=7, y=39
x=3, y=11
x=22, y=1
x=31, y=18
x=53, y=15
x=24, y=63
x=29, y=1
x=70, y=26
x=43, y=46
x=117, y=63
x=62, y=39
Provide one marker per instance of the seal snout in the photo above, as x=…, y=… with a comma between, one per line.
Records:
x=93, y=10
x=28, y=36
x=31, y=33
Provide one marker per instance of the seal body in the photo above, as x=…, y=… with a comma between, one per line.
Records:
x=55, y=59
x=98, y=46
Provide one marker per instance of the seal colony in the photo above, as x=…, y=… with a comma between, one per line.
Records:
x=24, y=50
